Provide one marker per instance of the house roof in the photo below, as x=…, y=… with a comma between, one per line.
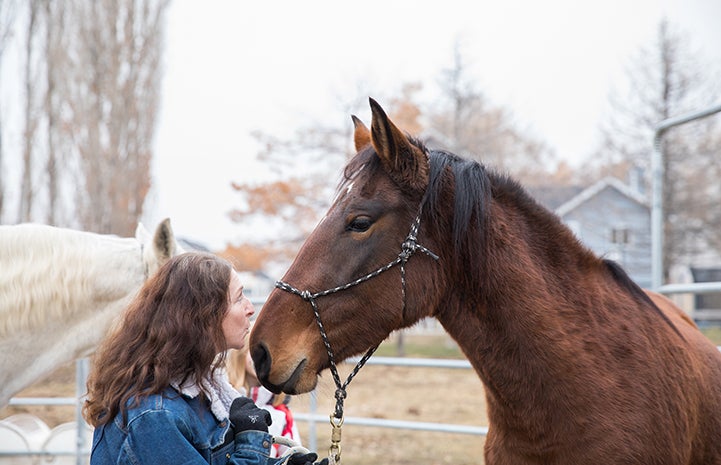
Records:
x=553, y=197
x=596, y=188
x=192, y=245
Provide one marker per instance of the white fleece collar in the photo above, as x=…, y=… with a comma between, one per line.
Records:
x=221, y=392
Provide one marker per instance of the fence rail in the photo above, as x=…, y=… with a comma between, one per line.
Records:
x=690, y=288
x=396, y=424
x=657, y=187
x=311, y=417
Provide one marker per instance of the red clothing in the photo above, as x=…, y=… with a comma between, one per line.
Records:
x=283, y=423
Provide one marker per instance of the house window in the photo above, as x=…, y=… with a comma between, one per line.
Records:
x=711, y=300
x=620, y=236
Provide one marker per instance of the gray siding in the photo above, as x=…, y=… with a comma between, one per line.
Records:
x=595, y=220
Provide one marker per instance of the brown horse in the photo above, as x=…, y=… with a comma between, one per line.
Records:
x=580, y=366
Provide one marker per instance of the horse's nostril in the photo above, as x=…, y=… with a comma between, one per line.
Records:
x=261, y=359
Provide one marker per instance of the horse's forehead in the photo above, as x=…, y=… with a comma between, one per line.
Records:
x=361, y=187
x=340, y=195
x=343, y=192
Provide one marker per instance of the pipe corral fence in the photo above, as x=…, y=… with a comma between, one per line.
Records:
x=81, y=450
x=657, y=207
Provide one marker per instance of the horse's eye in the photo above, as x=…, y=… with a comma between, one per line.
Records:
x=359, y=224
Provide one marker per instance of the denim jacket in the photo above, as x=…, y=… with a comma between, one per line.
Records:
x=171, y=428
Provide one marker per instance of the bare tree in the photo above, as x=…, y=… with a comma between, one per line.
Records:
x=478, y=129
x=91, y=91
x=38, y=181
x=306, y=172
x=110, y=106
x=298, y=197
x=7, y=17
x=406, y=110
x=28, y=185
x=55, y=63
x=667, y=80
x=43, y=56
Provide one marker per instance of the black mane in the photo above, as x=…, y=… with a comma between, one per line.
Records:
x=471, y=205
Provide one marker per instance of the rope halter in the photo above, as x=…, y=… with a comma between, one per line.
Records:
x=409, y=246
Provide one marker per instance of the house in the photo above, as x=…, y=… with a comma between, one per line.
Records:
x=614, y=220
x=257, y=285
x=609, y=217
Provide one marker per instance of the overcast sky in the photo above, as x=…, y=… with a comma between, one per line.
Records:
x=234, y=67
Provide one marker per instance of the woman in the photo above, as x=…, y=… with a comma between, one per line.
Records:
x=157, y=393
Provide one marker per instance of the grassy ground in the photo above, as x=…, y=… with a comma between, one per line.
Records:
x=713, y=333
x=421, y=346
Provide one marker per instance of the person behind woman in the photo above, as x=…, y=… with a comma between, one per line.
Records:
x=241, y=373
x=157, y=393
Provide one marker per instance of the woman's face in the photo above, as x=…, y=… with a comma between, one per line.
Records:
x=236, y=322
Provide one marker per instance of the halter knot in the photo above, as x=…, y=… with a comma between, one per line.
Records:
x=305, y=295
x=340, y=394
x=408, y=247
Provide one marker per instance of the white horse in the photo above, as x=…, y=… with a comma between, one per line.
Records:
x=60, y=290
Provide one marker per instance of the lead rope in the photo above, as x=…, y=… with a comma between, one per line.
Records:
x=408, y=248
x=293, y=447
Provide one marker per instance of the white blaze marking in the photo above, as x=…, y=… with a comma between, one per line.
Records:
x=341, y=194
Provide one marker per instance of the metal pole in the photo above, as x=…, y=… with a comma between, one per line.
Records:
x=312, y=430
x=657, y=212
x=657, y=173
x=81, y=375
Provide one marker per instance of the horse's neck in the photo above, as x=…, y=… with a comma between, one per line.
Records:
x=509, y=326
x=506, y=346
x=517, y=363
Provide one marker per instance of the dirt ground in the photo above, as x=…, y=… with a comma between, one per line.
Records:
x=453, y=396
x=434, y=395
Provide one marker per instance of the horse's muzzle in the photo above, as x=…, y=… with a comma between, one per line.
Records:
x=263, y=363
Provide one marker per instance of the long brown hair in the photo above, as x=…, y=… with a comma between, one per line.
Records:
x=172, y=331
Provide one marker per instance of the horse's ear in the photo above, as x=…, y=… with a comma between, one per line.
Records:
x=164, y=241
x=361, y=135
x=142, y=234
x=404, y=162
